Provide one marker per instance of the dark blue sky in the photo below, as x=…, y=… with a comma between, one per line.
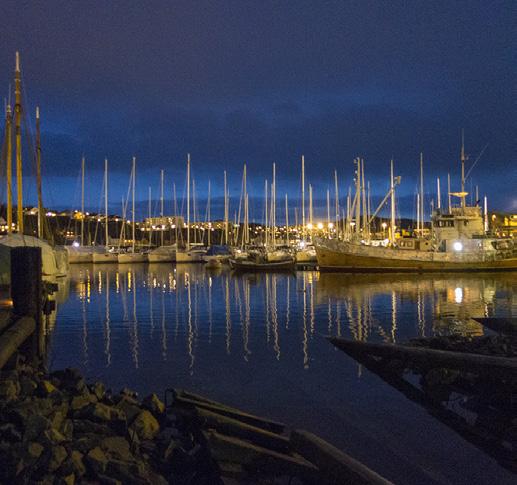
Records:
x=263, y=82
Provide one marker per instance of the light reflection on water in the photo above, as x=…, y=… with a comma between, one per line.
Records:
x=256, y=340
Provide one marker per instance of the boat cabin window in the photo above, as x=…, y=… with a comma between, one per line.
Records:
x=442, y=223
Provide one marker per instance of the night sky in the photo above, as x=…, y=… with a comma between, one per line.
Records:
x=263, y=82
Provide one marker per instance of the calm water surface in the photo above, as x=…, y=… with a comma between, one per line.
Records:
x=257, y=342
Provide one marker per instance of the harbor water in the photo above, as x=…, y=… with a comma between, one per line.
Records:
x=257, y=341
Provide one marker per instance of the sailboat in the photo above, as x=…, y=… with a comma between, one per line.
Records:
x=305, y=252
x=105, y=256
x=54, y=260
x=189, y=255
x=459, y=242
x=132, y=256
x=162, y=254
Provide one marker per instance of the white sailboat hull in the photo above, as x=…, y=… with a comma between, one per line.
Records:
x=125, y=258
x=192, y=256
x=101, y=258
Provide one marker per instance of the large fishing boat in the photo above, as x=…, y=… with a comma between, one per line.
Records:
x=459, y=240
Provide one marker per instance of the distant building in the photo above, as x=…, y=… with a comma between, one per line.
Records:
x=165, y=222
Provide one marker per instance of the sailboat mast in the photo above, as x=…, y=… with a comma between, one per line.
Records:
x=336, y=203
x=438, y=194
x=188, y=201
x=363, y=189
x=286, y=221
x=328, y=212
x=82, y=202
x=38, y=176
x=18, y=136
x=133, y=186
x=225, y=210
x=310, y=205
x=245, y=235
x=209, y=224
x=358, y=197
x=265, y=215
x=392, y=189
x=273, y=202
x=9, y=168
x=161, y=206
x=303, y=197
x=421, y=193
x=418, y=212
x=462, y=169
x=106, y=231
x=449, y=192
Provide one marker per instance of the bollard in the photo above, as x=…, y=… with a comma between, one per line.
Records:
x=26, y=291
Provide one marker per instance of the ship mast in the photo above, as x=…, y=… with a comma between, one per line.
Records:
x=273, y=207
x=421, y=194
x=438, y=194
x=82, y=201
x=303, y=197
x=358, y=197
x=188, y=201
x=225, y=210
x=38, y=176
x=18, y=135
x=9, y=160
x=392, y=221
x=286, y=221
x=106, y=200
x=328, y=213
x=133, y=184
x=462, y=169
x=161, y=205
x=337, y=203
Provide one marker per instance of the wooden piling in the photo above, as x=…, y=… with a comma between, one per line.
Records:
x=26, y=290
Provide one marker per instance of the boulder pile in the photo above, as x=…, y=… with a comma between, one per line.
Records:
x=56, y=428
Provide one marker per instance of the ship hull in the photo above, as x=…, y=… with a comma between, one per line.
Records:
x=347, y=257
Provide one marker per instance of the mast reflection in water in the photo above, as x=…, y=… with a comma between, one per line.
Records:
x=256, y=341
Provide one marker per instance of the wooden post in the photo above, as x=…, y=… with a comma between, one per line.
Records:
x=26, y=289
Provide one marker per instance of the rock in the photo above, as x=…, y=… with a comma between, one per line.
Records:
x=76, y=458
x=129, y=393
x=96, y=460
x=58, y=456
x=9, y=390
x=35, y=425
x=153, y=404
x=145, y=425
x=27, y=386
x=66, y=480
x=84, y=426
x=53, y=436
x=105, y=480
x=67, y=429
x=99, y=390
x=129, y=407
x=117, y=447
x=46, y=388
x=85, y=443
x=56, y=419
x=35, y=449
x=80, y=401
x=127, y=472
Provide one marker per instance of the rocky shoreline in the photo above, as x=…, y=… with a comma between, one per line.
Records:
x=56, y=428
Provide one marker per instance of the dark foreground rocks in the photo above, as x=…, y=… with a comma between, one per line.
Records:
x=57, y=429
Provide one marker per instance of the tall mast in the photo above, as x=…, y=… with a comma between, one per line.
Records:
x=175, y=213
x=417, y=211
x=18, y=135
x=188, y=201
x=266, y=241
x=286, y=221
x=38, y=176
x=225, y=210
x=358, y=197
x=438, y=194
x=9, y=168
x=245, y=235
x=449, y=192
x=82, y=203
x=485, y=214
x=273, y=202
x=106, y=233
x=421, y=193
x=336, y=203
x=209, y=224
x=310, y=205
x=346, y=231
x=392, y=189
x=133, y=186
x=363, y=189
x=149, y=215
x=462, y=169
x=328, y=212
x=303, y=197
x=161, y=205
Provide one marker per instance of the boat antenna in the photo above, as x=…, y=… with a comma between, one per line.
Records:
x=462, y=168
